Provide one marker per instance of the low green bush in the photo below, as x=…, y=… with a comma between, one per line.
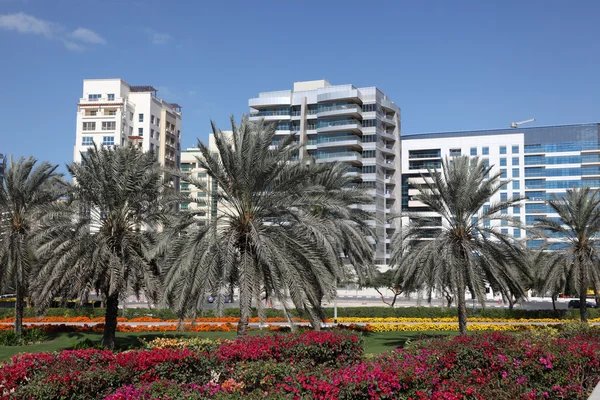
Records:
x=29, y=336
x=363, y=312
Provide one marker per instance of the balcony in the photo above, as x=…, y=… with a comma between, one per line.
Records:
x=388, y=164
x=311, y=144
x=340, y=125
x=353, y=171
x=338, y=110
x=387, y=149
x=271, y=115
x=341, y=141
x=345, y=156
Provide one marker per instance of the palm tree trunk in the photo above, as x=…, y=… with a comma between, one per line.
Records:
x=19, y=303
x=582, y=305
x=462, y=310
x=110, y=321
x=582, y=291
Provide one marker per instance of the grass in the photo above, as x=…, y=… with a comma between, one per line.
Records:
x=375, y=343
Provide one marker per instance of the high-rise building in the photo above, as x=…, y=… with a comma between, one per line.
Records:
x=538, y=161
x=206, y=196
x=357, y=126
x=113, y=113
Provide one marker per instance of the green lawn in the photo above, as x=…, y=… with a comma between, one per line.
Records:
x=375, y=343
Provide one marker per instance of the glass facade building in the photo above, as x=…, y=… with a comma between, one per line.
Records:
x=541, y=162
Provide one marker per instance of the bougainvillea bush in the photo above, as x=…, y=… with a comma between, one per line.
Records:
x=321, y=365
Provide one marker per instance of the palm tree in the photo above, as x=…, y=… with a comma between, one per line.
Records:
x=280, y=229
x=467, y=251
x=101, y=238
x=25, y=195
x=577, y=257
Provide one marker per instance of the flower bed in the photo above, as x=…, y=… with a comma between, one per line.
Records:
x=320, y=365
x=99, y=328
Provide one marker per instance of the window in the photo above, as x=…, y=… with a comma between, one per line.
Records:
x=516, y=185
x=369, y=169
x=151, y=133
x=369, y=138
x=504, y=231
x=131, y=116
x=502, y=149
x=140, y=117
x=111, y=112
x=368, y=154
x=91, y=113
x=140, y=131
x=94, y=97
x=455, y=152
x=158, y=121
x=515, y=149
x=184, y=206
x=485, y=151
x=517, y=233
x=503, y=173
x=131, y=131
x=109, y=126
x=517, y=210
x=503, y=162
x=515, y=161
x=432, y=153
x=111, y=97
x=151, y=146
x=369, y=107
x=515, y=172
x=503, y=196
x=89, y=126
x=87, y=141
x=108, y=140
x=473, y=151
x=151, y=119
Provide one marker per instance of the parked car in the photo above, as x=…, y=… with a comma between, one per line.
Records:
x=213, y=297
x=576, y=304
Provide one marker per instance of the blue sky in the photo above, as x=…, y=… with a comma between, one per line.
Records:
x=449, y=65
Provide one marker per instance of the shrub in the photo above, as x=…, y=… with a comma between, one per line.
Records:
x=317, y=348
x=29, y=336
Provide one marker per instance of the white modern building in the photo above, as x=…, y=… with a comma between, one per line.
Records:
x=538, y=161
x=206, y=196
x=357, y=126
x=111, y=113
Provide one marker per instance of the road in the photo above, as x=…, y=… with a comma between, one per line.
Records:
x=375, y=301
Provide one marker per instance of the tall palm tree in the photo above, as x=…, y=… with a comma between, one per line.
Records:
x=25, y=195
x=101, y=238
x=467, y=251
x=280, y=229
x=577, y=257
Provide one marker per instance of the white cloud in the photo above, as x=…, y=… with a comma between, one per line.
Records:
x=157, y=37
x=87, y=36
x=73, y=46
x=28, y=24
x=24, y=23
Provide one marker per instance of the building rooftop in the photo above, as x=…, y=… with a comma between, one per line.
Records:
x=142, y=89
x=502, y=131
